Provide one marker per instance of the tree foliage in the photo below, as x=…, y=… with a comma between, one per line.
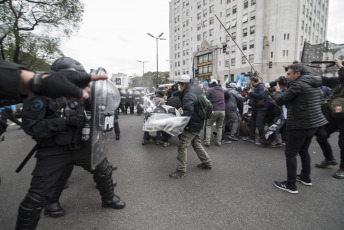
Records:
x=35, y=28
x=149, y=79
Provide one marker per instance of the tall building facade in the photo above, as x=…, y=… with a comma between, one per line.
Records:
x=265, y=31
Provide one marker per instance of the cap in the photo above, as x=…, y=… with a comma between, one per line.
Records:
x=213, y=81
x=232, y=85
x=184, y=79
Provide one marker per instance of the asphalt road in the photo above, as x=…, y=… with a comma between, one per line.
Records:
x=238, y=193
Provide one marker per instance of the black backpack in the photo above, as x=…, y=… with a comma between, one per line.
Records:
x=205, y=108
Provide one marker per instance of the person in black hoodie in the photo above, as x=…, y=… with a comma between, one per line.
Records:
x=191, y=133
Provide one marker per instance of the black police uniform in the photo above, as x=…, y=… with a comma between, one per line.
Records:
x=123, y=101
x=60, y=149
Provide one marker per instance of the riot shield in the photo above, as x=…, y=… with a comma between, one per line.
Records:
x=105, y=99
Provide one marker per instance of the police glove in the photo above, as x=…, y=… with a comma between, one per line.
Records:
x=58, y=84
x=76, y=118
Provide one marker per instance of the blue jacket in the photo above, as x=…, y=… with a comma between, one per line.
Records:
x=12, y=107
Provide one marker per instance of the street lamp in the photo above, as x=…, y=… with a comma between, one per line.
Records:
x=171, y=68
x=143, y=63
x=157, y=59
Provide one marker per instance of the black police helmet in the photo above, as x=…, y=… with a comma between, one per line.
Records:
x=67, y=63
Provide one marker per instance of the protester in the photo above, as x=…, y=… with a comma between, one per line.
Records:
x=191, y=133
x=260, y=103
x=303, y=100
x=232, y=112
x=216, y=97
x=335, y=123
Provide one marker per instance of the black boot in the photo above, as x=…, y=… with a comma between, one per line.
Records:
x=103, y=177
x=53, y=208
x=29, y=211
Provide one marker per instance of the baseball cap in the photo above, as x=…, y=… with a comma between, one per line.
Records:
x=184, y=79
x=212, y=81
x=232, y=85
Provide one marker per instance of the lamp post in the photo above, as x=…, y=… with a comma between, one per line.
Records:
x=157, y=58
x=143, y=63
x=171, y=62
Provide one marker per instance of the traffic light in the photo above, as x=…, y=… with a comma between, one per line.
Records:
x=270, y=64
x=224, y=46
x=196, y=72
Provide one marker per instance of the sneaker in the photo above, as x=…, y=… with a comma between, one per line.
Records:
x=218, y=143
x=276, y=145
x=284, y=186
x=233, y=138
x=304, y=180
x=339, y=174
x=228, y=142
x=258, y=142
x=143, y=142
x=204, y=166
x=206, y=144
x=177, y=175
x=165, y=144
x=248, y=139
x=326, y=163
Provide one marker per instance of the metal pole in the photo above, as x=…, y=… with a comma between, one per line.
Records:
x=157, y=64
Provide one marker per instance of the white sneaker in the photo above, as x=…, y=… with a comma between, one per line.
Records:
x=228, y=142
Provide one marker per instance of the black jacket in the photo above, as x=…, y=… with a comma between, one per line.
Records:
x=188, y=100
x=303, y=100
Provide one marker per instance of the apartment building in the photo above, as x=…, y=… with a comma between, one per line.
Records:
x=265, y=30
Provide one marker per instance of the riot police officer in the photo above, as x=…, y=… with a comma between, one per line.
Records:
x=123, y=102
x=130, y=102
x=58, y=135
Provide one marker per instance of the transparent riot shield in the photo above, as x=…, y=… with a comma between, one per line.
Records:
x=105, y=99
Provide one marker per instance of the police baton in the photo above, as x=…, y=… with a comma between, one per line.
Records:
x=27, y=158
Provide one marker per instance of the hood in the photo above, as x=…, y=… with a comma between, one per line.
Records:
x=311, y=79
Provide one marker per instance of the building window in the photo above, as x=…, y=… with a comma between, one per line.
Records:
x=234, y=35
x=251, y=43
x=272, y=54
x=227, y=63
x=272, y=38
x=211, y=9
x=210, y=57
x=244, y=32
x=199, y=5
x=234, y=9
x=205, y=35
x=204, y=23
x=244, y=45
x=228, y=12
x=210, y=68
x=245, y=4
x=211, y=32
x=200, y=69
x=204, y=2
x=252, y=29
x=253, y=2
x=211, y=21
x=245, y=18
x=205, y=12
x=199, y=26
x=288, y=36
x=233, y=23
x=251, y=58
x=253, y=15
x=243, y=61
x=228, y=1
x=200, y=59
x=198, y=16
x=228, y=25
x=301, y=40
x=233, y=49
x=233, y=62
x=227, y=38
x=198, y=37
x=205, y=69
x=283, y=53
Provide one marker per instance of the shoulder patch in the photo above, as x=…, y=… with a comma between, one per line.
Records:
x=36, y=105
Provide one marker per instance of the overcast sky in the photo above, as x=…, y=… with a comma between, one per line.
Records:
x=113, y=34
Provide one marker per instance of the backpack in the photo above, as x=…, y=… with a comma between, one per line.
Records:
x=205, y=108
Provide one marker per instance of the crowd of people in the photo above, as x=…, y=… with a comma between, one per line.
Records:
x=288, y=113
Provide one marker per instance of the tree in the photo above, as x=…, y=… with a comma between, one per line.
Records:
x=35, y=29
x=149, y=79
